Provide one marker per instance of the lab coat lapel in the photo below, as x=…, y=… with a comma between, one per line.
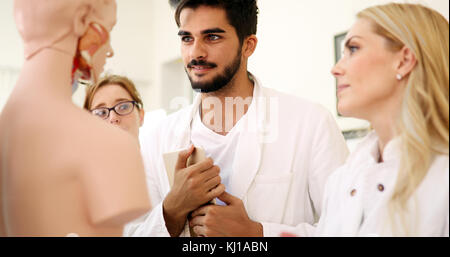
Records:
x=246, y=164
x=248, y=155
x=183, y=133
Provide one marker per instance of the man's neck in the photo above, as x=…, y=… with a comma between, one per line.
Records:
x=221, y=110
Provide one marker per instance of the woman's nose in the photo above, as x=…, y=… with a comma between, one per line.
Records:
x=337, y=70
x=114, y=118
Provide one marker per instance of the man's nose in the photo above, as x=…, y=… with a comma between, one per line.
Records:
x=198, y=51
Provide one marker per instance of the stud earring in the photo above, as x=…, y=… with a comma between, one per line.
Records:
x=399, y=77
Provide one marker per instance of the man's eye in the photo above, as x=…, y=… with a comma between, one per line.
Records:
x=186, y=39
x=213, y=37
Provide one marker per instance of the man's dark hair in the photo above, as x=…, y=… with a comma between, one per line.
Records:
x=241, y=14
x=174, y=3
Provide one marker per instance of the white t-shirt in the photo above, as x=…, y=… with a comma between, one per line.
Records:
x=220, y=148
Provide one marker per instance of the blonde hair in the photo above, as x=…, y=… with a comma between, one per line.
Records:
x=122, y=81
x=424, y=121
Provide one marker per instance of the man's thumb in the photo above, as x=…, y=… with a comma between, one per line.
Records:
x=228, y=198
x=182, y=158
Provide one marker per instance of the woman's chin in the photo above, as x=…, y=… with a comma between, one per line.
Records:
x=344, y=110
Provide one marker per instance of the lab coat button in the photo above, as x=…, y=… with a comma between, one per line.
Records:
x=380, y=187
x=353, y=192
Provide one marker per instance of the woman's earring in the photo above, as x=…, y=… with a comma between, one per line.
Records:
x=399, y=77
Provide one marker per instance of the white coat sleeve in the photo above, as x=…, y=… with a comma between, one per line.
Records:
x=152, y=224
x=305, y=229
x=329, y=152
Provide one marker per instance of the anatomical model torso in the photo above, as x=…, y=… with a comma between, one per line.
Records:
x=62, y=170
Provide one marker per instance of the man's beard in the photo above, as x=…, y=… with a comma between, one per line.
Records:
x=218, y=82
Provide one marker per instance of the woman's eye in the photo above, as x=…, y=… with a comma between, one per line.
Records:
x=353, y=49
x=350, y=50
x=100, y=113
x=123, y=107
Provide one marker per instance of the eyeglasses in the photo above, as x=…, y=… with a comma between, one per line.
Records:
x=122, y=109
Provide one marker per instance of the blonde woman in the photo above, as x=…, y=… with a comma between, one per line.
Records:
x=394, y=73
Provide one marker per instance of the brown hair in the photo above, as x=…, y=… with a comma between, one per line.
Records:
x=122, y=81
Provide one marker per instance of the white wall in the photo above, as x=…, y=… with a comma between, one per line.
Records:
x=134, y=46
x=11, y=53
x=295, y=52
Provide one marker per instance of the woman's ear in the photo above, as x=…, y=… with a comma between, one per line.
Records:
x=250, y=44
x=141, y=117
x=81, y=22
x=406, y=62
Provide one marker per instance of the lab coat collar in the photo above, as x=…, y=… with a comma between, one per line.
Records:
x=248, y=154
x=249, y=148
x=183, y=132
x=391, y=150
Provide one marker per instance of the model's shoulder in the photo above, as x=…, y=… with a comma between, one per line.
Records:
x=109, y=147
x=94, y=133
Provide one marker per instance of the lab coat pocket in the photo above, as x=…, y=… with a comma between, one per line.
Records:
x=267, y=196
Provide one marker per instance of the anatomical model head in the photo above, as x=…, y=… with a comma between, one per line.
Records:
x=79, y=28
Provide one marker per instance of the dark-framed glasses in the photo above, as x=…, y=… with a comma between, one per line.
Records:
x=122, y=109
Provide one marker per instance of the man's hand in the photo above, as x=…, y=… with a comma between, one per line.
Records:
x=225, y=221
x=193, y=187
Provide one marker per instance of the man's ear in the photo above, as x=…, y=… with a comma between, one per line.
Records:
x=81, y=22
x=406, y=62
x=249, y=46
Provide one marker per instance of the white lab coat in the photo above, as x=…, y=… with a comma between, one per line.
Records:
x=280, y=180
x=365, y=212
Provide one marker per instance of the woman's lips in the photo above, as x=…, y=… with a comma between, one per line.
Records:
x=341, y=88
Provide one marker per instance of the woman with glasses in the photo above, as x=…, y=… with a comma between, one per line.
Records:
x=116, y=100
